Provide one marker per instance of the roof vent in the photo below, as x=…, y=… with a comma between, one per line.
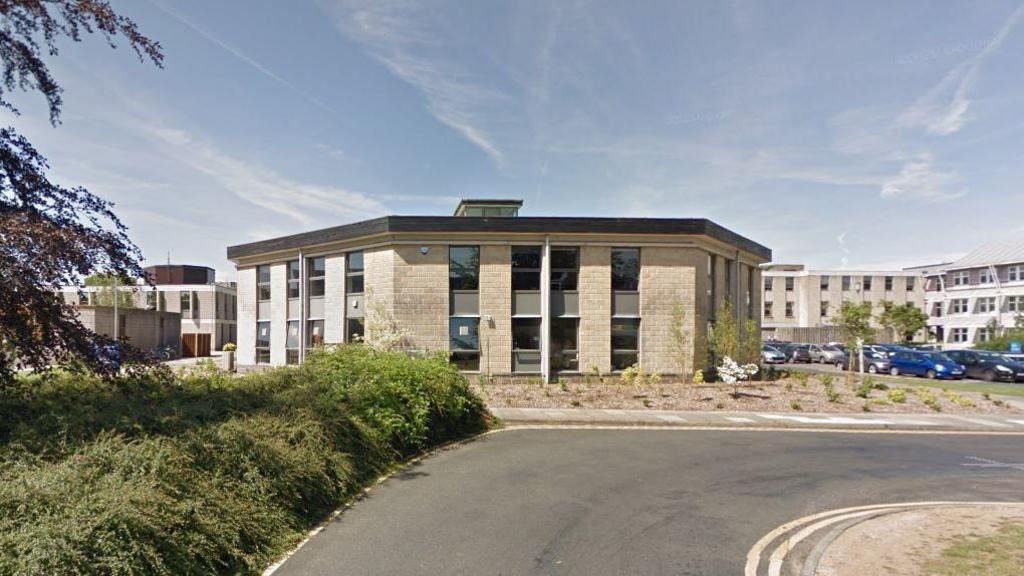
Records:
x=482, y=208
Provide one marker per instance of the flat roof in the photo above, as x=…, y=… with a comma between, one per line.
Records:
x=520, y=225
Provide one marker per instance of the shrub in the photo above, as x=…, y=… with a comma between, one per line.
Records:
x=897, y=395
x=207, y=474
x=795, y=406
x=698, y=377
x=864, y=390
x=633, y=375
x=229, y=347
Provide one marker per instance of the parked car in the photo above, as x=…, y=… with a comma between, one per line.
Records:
x=874, y=363
x=927, y=364
x=988, y=366
x=771, y=355
x=800, y=353
x=891, y=349
x=825, y=353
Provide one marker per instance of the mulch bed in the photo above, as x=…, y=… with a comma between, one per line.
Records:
x=809, y=394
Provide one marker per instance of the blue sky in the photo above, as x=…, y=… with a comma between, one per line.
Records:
x=836, y=133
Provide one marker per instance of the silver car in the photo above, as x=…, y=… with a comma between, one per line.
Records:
x=826, y=353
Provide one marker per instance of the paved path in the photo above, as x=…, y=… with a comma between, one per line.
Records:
x=639, y=501
x=856, y=421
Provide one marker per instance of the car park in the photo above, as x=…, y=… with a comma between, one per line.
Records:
x=988, y=366
x=927, y=364
x=891, y=349
x=772, y=355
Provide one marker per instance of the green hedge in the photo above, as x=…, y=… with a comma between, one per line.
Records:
x=208, y=474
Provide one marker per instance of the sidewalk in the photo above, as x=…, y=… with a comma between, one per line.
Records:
x=789, y=420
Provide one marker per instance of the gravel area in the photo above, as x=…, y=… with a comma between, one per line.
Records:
x=902, y=544
x=815, y=393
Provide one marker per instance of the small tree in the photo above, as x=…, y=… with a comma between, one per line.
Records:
x=1001, y=338
x=728, y=339
x=904, y=320
x=382, y=329
x=681, y=331
x=855, y=322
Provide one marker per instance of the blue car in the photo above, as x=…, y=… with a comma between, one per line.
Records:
x=927, y=364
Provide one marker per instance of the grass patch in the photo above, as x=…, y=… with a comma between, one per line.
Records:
x=979, y=387
x=999, y=554
x=208, y=474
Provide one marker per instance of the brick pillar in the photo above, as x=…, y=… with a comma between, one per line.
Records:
x=334, y=299
x=278, y=312
x=246, y=331
x=421, y=295
x=496, y=302
x=667, y=280
x=595, y=287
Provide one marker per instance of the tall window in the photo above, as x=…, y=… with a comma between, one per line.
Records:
x=789, y=283
x=626, y=269
x=565, y=344
x=789, y=309
x=293, y=279
x=565, y=310
x=729, y=265
x=317, y=271
x=526, y=308
x=767, y=281
x=355, y=328
x=625, y=342
x=846, y=283
x=910, y=283
x=937, y=309
x=1015, y=273
x=291, y=344
x=263, y=342
x=263, y=283
x=767, y=309
x=824, y=282
x=354, y=273
x=526, y=267
x=565, y=269
x=625, y=307
x=464, y=322
x=962, y=278
x=958, y=306
x=958, y=335
x=824, y=309
x=151, y=299
x=867, y=282
x=984, y=276
x=315, y=333
x=186, y=304
x=888, y=283
x=983, y=334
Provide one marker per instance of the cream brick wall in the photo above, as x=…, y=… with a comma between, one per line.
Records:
x=246, y=316
x=496, y=301
x=667, y=279
x=278, y=312
x=334, y=299
x=379, y=278
x=595, y=286
x=420, y=285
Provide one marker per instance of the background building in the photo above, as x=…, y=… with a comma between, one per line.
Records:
x=207, y=308
x=501, y=294
x=143, y=329
x=970, y=300
x=799, y=304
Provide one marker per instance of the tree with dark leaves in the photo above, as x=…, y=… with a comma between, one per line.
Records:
x=50, y=235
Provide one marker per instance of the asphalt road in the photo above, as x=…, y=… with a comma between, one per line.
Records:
x=596, y=502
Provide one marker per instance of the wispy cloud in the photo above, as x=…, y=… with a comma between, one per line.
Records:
x=392, y=31
x=261, y=186
x=245, y=58
x=920, y=180
x=943, y=109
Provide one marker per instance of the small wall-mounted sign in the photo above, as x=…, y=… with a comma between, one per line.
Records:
x=463, y=330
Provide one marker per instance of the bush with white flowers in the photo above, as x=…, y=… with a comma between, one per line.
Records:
x=731, y=372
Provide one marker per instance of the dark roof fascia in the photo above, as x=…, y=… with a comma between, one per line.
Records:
x=491, y=225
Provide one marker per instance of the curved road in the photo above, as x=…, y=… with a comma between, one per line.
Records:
x=641, y=501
